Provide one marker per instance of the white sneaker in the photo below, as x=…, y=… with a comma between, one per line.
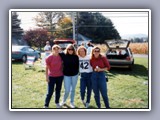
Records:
x=87, y=105
x=62, y=103
x=72, y=105
x=84, y=103
x=58, y=105
x=45, y=107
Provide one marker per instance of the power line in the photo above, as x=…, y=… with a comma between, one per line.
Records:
x=126, y=16
x=94, y=26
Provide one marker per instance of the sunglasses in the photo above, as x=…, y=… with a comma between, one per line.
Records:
x=97, y=51
x=70, y=49
x=56, y=48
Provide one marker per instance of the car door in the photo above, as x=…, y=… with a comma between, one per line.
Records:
x=31, y=52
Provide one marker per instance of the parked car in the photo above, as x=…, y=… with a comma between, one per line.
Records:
x=64, y=42
x=119, y=54
x=21, y=52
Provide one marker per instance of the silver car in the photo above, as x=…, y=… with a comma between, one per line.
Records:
x=119, y=54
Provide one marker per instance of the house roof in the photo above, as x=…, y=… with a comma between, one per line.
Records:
x=83, y=38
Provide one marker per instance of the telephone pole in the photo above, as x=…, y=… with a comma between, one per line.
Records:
x=73, y=22
x=75, y=26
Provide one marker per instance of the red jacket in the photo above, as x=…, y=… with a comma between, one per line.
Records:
x=101, y=62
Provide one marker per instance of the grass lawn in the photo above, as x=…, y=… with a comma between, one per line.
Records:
x=126, y=89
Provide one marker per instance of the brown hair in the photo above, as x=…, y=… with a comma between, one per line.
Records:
x=92, y=55
x=81, y=47
x=70, y=46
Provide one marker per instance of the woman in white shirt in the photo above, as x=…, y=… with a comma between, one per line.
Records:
x=85, y=70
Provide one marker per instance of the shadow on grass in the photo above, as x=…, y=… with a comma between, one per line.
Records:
x=76, y=107
x=17, y=62
x=92, y=107
x=138, y=70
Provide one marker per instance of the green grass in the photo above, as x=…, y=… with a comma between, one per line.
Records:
x=126, y=89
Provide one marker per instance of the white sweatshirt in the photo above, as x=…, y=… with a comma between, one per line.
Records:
x=84, y=64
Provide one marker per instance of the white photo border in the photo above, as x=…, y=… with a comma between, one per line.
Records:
x=74, y=10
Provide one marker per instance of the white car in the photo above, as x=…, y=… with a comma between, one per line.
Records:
x=119, y=54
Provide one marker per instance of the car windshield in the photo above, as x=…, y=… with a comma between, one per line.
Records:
x=63, y=45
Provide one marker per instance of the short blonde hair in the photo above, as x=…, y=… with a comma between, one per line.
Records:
x=55, y=46
x=81, y=47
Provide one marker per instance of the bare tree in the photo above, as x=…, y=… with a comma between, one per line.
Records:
x=49, y=20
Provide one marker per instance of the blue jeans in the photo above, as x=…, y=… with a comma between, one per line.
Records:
x=52, y=82
x=99, y=86
x=85, y=82
x=70, y=83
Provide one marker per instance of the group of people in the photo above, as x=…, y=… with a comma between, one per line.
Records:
x=67, y=65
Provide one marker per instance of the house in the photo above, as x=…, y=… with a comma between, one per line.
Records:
x=82, y=39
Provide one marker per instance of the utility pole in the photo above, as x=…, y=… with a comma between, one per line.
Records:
x=75, y=25
x=73, y=22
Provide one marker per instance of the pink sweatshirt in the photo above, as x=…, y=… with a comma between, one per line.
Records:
x=55, y=66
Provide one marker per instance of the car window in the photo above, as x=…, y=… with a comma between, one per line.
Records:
x=117, y=52
x=63, y=45
x=123, y=52
x=30, y=50
x=130, y=51
x=112, y=52
x=24, y=49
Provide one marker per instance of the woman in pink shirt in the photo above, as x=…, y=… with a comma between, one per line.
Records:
x=54, y=75
x=100, y=64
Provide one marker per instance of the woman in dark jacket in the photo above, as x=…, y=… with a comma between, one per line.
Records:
x=70, y=71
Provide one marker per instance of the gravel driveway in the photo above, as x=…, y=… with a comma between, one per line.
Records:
x=140, y=55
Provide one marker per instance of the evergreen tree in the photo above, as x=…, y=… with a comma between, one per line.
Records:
x=96, y=27
x=17, y=31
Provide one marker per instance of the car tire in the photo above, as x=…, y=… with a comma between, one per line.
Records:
x=39, y=55
x=24, y=58
x=131, y=66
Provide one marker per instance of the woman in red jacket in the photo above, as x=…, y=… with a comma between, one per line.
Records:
x=100, y=64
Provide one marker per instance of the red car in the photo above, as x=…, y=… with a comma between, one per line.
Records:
x=63, y=42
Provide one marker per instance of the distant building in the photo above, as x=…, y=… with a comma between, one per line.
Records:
x=83, y=40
